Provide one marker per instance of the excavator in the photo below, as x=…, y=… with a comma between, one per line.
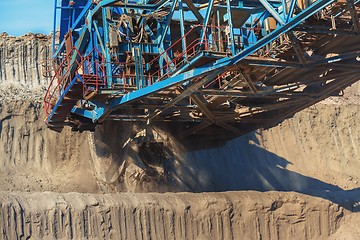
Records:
x=219, y=68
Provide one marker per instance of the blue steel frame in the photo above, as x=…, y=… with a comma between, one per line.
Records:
x=165, y=14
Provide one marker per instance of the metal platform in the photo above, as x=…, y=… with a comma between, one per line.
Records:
x=210, y=67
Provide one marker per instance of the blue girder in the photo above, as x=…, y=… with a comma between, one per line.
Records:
x=126, y=52
x=203, y=70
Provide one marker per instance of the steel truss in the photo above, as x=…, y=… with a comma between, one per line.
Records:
x=207, y=65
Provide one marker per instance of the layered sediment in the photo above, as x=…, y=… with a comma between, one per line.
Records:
x=314, y=153
x=22, y=59
x=231, y=215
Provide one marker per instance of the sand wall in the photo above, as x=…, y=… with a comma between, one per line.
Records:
x=21, y=59
x=315, y=152
x=231, y=215
x=317, y=148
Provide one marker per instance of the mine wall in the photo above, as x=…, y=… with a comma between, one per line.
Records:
x=72, y=185
x=230, y=215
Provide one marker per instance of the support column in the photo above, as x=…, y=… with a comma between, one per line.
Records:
x=231, y=28
x=139, y=69
x=206, y=21
x=182, y=29
x=105, y=15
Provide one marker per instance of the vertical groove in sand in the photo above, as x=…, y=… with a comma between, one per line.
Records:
x=134, y=216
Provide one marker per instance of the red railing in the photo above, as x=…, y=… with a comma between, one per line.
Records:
x=92, y=71
x=128, y=80
x=169, y=49
x=219, y=42
x=182, y=58
x=192, y=50
x=214, y=44
x=62, y=78
x=217, y=79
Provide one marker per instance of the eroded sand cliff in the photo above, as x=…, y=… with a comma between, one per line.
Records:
x=314, y=153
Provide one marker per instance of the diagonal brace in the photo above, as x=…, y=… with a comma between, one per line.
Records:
x=272, y=11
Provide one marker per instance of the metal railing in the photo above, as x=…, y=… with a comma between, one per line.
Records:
x=62, y=77
x=92, y=71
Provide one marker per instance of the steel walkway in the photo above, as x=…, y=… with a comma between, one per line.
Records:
x=211, y=67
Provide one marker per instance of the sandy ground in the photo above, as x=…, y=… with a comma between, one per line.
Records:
x=313, y=153
x=72, y=185
x=349, y=228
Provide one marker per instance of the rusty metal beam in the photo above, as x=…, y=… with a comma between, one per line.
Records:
x=194, y=10
x=343, y=83
x=203, y=108
x=196, y=129
x=239, y=94
x=248, y=81
x=354, y=15
x=192, y=88
x=296, y=45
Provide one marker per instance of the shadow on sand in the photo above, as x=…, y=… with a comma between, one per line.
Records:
x=242, y=164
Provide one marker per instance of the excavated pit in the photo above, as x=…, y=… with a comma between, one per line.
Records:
x=76, y=185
